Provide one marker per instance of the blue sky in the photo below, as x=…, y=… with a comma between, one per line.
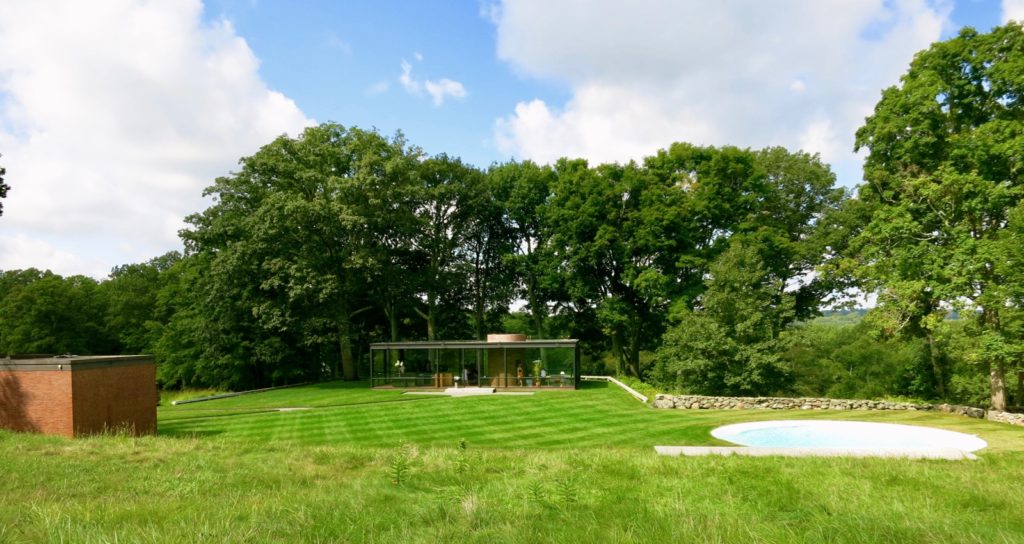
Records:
x=329, y=55
x=115, y=114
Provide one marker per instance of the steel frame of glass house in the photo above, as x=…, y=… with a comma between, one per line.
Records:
x=524, y=364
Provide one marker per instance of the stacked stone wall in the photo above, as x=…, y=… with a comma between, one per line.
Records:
x=699, y=402
x=1006, y=417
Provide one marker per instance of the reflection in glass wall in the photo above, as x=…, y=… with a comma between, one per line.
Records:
x=443, y=365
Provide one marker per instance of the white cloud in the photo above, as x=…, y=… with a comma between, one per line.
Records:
x=1013, y=10
x=113, y=118
x=379, y=87
x=438, y=90
x=44, y=256
x=411, y=85
x=334, y=41
x=647, y=73
x=418, y=56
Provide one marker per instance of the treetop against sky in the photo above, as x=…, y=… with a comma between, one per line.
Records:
x=114, y=115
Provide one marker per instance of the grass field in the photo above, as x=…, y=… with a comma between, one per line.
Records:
x=558, y=466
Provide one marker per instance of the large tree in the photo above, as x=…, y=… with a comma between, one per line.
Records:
x=447, y=189
x=943, y=170
x=765, y=208
x=616, y=231
x=729, y=343
x=289, y=250
x=487, y=249
x=42, y=312
x=524, y=189
x=131, y=295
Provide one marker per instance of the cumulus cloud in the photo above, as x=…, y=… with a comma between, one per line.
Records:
x=41, y=254
x=114, y=116
x=438, y=90
x=647, y=73
x=408, y=83
x=1013, y=10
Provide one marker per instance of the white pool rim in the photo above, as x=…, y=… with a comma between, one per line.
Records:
x=824, y=433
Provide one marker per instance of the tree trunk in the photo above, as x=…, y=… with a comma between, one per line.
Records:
x=478, y=318
x=936, y=359
x=531, y=295
x=633, y=361
x=997, y=381
x=1019, y=399
x=392, y=314
x=997, y=371
x=431, y=318
x=620, y=356
x=348, y=367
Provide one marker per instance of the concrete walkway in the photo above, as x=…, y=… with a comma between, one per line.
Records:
x=467, y=392
x=951, y=454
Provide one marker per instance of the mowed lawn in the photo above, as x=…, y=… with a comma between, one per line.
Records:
x=559, y=466
x=598, y=415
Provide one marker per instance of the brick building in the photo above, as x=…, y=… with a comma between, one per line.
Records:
x=76, y=396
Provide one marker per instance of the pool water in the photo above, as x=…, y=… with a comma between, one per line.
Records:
x=844, y=434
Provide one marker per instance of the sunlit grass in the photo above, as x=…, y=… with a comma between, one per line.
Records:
x=555, y=467
x=598, y=415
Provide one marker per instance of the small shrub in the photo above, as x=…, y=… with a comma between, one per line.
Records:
x=462, y=460
x=567, y=491
x=401, y=462
x=536, y=492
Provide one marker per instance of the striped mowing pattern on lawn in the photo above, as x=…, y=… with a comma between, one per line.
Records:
x=593, y=417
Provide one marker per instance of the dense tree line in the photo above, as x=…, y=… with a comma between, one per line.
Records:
x=322, y=243
x=696, y=268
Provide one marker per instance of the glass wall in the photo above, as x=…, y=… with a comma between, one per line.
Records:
x=443, y=365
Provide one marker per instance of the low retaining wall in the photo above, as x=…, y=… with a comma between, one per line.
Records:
x=1006, y=417
x=699, y=402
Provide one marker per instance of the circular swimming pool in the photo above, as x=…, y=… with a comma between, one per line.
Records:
x=844, y=434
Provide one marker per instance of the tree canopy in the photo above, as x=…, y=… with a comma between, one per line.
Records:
x=943, y=174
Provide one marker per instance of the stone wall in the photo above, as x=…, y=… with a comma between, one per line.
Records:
x=1006, y=417
x=698, y=402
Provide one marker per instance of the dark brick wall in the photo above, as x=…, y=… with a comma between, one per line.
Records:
x=78, y=396
x=36, y=401
x=116, y=397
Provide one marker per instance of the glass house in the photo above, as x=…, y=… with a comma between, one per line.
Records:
x=503, y=361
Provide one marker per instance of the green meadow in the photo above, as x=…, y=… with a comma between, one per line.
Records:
x=344, y=463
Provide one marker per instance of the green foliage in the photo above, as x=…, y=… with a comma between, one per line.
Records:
x=401, y=463
x=42, y=312
x=730, y=344
x=846, y=361
x=943, y=174
x=131, y=293
x=287, y=252
x=524, y=189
